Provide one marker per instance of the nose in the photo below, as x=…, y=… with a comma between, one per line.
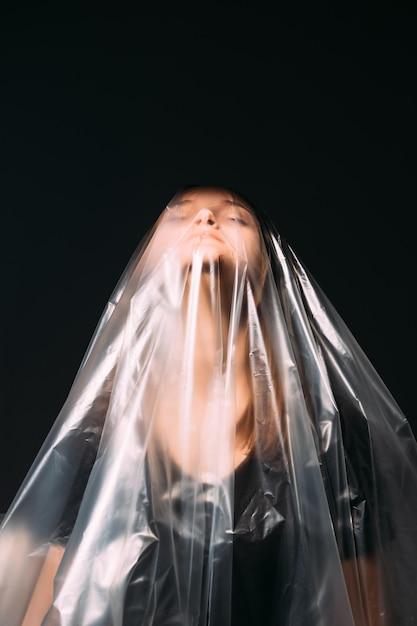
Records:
x=205, y=216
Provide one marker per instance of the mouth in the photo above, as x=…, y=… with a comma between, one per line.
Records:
x=207, y=234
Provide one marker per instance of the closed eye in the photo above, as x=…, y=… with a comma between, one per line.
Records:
x=239, y=220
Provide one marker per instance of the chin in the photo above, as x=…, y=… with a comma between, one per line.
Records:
x=213, y=257
x=208, y=251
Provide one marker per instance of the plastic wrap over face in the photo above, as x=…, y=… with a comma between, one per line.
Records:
x=226, y=455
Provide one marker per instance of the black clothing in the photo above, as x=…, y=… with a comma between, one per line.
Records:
x=266, y=558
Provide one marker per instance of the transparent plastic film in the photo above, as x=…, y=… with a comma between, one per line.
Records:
x=226, y=455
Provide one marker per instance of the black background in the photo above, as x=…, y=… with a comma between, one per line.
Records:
x=309, y=110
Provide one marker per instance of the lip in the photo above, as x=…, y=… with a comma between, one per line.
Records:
x=207, y=234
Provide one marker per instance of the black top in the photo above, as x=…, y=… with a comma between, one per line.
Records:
x=266, y=558
x=270, y=582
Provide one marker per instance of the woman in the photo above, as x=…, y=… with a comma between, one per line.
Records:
x=227, y=454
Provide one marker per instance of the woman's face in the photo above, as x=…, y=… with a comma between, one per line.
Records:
x=210, y=222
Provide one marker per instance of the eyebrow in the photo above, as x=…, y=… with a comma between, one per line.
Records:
x=246, y=208
x=238, y=204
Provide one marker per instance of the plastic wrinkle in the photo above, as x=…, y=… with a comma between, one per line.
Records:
x=226, y=456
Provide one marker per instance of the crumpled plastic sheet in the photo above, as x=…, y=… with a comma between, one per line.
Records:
x=227, y=453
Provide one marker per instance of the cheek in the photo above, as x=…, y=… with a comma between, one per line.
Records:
x=253, y=250
x=257, y=262
x=167, y=238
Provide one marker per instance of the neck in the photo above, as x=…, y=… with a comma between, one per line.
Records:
x=210, y=310
x=209, y=410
